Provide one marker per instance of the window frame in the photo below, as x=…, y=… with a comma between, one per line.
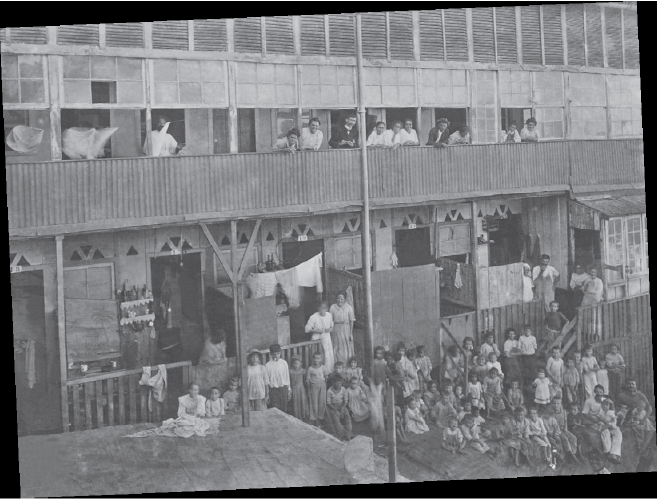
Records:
x=86, y=266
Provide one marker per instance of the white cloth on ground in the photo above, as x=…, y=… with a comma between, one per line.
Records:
x=185, y=427
x=85, y=143
x=158, y=384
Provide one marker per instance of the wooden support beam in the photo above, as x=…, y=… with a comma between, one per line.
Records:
x=218, y=252
x=55, y=108
x=61, y=332
x=241, y=357
x=249, y=247
x=392, y=437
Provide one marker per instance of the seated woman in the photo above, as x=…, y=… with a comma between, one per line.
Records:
x=192, y=404
x=529, y=133
x=289, y=143
x=408, y=136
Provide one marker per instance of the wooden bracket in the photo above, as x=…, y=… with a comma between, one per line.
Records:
x=249, y=247
x=218, y=252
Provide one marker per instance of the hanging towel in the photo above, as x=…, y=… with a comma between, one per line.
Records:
x=350, y=296
x=309, y=274
x=458, y=283
x=85, y=143
x=158, y=384
x=262, y=284
x=30, y=368
x=393, y=260
x=288, y=281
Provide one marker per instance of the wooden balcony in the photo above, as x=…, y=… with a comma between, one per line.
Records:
x=62, y=197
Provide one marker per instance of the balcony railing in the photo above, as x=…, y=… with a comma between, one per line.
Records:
x=72, y=196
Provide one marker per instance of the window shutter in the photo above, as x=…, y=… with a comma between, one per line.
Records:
x=313, y=41
x=505, y=24
x=248, y=37
x=36, y=35
x=431, y=36
x=552, y=36
x=374, y=35
x=594, y=35
x=401, y=35
x=210, y=35
x=575, y=32
x=483, y=35
x=614, y=38
x=124, y=35
x=278, y=33
x=171, y=35
x=531, y=34
x=456, y=35
x=79, y=34
x=631, y=40
x=342, y=37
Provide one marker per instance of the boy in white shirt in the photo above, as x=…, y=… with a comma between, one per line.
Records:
x=378, y=137
x=279, y=379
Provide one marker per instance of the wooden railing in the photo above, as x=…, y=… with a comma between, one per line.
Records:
x=304, y=350
x=57, y=197
x=339, y=281
x=498, y=320
x=116, y=398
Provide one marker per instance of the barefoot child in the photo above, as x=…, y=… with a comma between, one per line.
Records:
x=576, y=427
x=316, y=376
x=448, y=387
x=414, y=420
x=590, y=370
x=214, y=406
x=423, y=364
x=406, y=370
x=357, y=401
x=571, y=383
x=417, y=396
x=493, y=392
x=354, y=370
x=467, y=408
x=508, y=439
x=555, y=370
x=442, y=411
x=232, y=397
x=299, y=401
x=542, y=386
x=474, y=390
x=521, y=432
x=568, y=440
x=257, y=382
x=472, y=437
x=336, y=408
x=453, y=440
x=537, y=433
x=432, y=395
x=399, y=425
x=515, y=396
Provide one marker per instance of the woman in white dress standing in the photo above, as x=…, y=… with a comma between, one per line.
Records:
x=320, y=325
x=343, y=326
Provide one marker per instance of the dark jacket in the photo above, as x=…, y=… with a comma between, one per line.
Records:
x=340, y=133
x=433, y=135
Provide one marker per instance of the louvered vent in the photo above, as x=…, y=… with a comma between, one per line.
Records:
x=401, y=35
x=531, y=34
x=374, y=35
x=170, y=35
x=552, y=35
x=124, y=35
x=483, y=36
x=342, y=36
x=432, y=47
x=79, y=34
x=456, y=35
x=35, y=35
x=631, y=40
x=614, y=38
x=507, y=43
x=279, y=36
x=575, y=33
x=594, y=36
x=210, y=35
x=248, y=37
x=313, y=40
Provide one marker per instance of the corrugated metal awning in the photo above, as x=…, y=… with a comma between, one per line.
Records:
x=616, y=205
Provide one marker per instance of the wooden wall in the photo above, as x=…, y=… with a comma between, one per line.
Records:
x=466, y=294
x=406, y=307
x=516, y=316
x=499, y=286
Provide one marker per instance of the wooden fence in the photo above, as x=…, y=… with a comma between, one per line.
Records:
x=516, y=316
x=339, y=281
x=304, y=350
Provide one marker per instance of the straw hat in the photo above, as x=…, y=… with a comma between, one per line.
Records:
x=24, y=138
x=253, y=351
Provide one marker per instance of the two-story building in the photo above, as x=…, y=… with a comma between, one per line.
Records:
x=83, y=229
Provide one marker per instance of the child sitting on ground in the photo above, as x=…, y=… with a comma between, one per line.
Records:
x=493, y=392
x=515, y=396
x=399, y=425
x=568, y=440
x=414, y=420
x=423, y=364
x=448, y=387
x=417, y=396
x=554, y=437
x=357, y=401
x=474, y=390
x=507, y=437
x=442, y=411
x=576, y=427
x=466, y=409
x=542, y=385
x=571, y=383
x=431, y=396
x=537, y=433
x=232, y=397
x=214, y=406
x=479, y=421
x=473, y=438
x=453, y=440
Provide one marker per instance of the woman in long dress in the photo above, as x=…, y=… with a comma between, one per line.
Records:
x=343, y=326
x=320, y=325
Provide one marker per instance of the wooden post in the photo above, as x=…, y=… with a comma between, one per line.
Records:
x=392, y=434
x=233, y=132
x=241, y=365
x=147, y=73
x=55, y=107
x=366, y=242
x=61, y=331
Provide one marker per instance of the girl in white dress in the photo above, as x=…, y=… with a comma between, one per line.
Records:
x=320, y=325
x=590, y=370
x=414, y=420
x=542, y=385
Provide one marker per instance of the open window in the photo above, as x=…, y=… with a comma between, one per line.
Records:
x=457, y=116
x=515, y=115
x=506, y=240
x=454, y=241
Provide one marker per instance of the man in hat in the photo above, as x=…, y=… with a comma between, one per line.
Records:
x=460, y=137
x=439, y=135
x=279, y=379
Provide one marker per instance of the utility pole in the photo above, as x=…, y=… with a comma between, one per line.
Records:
x=241, y=364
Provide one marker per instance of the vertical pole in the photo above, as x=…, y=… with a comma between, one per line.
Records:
x=366, y=242
x=392, y=434
x=61, y=331
x=55, y=107
x=241, y=366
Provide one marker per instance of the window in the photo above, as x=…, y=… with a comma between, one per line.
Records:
x=247, y=130
x=454, y=239
x=515, y=115
x=457, y=117
x=550, y=122
x=515, y=89
x=37, y=118
x=443, y=88
x=189, y=82
x=615, y=254
x=85, y=118
x=635, y=246
x=506, y=240
x=23, y=79
x=94, y=282
x=103, y=80
x=10, y=120
x=103, y=92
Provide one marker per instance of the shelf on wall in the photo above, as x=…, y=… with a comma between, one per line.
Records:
x=135, y=303
x=140, y=318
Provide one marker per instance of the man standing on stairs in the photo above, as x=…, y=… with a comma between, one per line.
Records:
x=545, y=279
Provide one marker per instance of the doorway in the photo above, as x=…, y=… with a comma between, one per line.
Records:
x=506, y=240
x=457, y=116
x=515, y=115
x=37, y=407
x=178, y=300
x=295, y=253
x=413, y=246
x=587, y=249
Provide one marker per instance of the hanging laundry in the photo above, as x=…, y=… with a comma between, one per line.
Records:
x=393, y=260
x=309, y=274
x=458, y=282
x=85, y=143
x=262, y=284
x=350, y=296
x=24, y=139
x=158, y=384
x=30, y=367
x=288, y=281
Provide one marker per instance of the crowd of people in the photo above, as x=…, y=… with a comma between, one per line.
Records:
x=402, y=134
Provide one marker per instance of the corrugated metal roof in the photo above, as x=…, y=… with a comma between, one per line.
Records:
x=617, y=205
